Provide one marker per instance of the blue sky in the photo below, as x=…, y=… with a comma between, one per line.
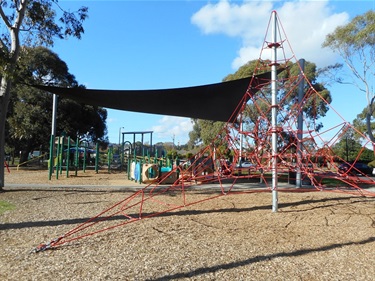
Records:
x=169, y=44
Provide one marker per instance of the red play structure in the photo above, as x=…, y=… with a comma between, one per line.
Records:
x=286, y=152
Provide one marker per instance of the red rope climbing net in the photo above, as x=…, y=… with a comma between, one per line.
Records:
x=307, y=153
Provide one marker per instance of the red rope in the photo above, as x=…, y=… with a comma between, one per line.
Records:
x=6, y=165
x=209, y=168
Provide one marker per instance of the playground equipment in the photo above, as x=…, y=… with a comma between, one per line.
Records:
x=69, y=155
x=150, y=173
x=146, y=169
x=143, y=168
x=209, y=170
x=35, y=159
x=6, y=166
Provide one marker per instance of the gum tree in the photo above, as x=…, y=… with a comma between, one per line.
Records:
x=355, y=43
x=30, y=110
x=29, y=23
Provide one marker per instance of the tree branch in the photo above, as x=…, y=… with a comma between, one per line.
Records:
x=4, y=17
x=16, y=28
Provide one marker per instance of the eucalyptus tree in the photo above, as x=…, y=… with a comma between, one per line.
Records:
x=29, y=23
x=350, y=149
x=316, y=103
x=355, y=43
x=257, y=114
x=30, y=109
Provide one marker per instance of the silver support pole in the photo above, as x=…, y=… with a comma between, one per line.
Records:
x=53, y=135
x=300, y=123
x=241, y=142
x=54, y=110
x=274, y=46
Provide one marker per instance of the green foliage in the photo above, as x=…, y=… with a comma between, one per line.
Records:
x=30, y=110
x=314, y=107
x=46, y=24
x=207, y=131
x=348, y=149
x=354, y=36
x=6, y=206
x=39, y=24
x=246, y=70
x=189, y=155
x=355, y=43
x=360, y=123
x=367, y=155
x=172, y=154
x=194, y=135
x=40, y=65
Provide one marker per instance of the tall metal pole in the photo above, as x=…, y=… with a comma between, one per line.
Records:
x=119, y=136
x=301, y=87
x=274, y=46
x=241, y=142
x=54, y=110
x=53, y=133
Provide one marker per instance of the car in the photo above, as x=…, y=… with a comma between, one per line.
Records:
x=246, y=164
x=245, y=168
x=355, y=169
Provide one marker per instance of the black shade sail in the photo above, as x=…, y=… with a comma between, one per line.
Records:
x=217, y=102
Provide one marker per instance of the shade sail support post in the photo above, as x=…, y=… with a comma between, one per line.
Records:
x=274, y=47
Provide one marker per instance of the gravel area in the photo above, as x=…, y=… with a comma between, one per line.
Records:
x=313, y=236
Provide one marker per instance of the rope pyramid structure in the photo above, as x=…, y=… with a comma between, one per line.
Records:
x=269, y=153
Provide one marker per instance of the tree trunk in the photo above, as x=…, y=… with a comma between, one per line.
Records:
x=6, y=84
x=4, y=101
x=369, y=130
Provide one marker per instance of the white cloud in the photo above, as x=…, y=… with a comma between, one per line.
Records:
x=171, y=127
x=244, y=54
x=306, y=23
x=233, y=19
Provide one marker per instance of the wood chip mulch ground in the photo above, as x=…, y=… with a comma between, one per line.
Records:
x=313, y=236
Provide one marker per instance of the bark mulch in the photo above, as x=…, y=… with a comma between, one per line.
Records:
x=313, y=236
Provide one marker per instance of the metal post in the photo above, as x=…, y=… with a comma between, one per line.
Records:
x=109, y=158
x=134, y=145
x=151, y=142
x=300, y=123
x=274, y=46
x=77, y=157
x=58, y=158
x=97, y=158
x=50, y=168
x=68, y=158
x=61, y=154
x=143, y=152
x=119, y=139
x=241, y=144
x=84, y=159
x=122, y=153
x=54, y=110
x=53, y=134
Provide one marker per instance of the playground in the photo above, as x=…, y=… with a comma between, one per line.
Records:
x=315, y=235
x=321, y=226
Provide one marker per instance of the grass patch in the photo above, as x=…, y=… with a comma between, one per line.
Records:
x=332, y=182
x=6, y=206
